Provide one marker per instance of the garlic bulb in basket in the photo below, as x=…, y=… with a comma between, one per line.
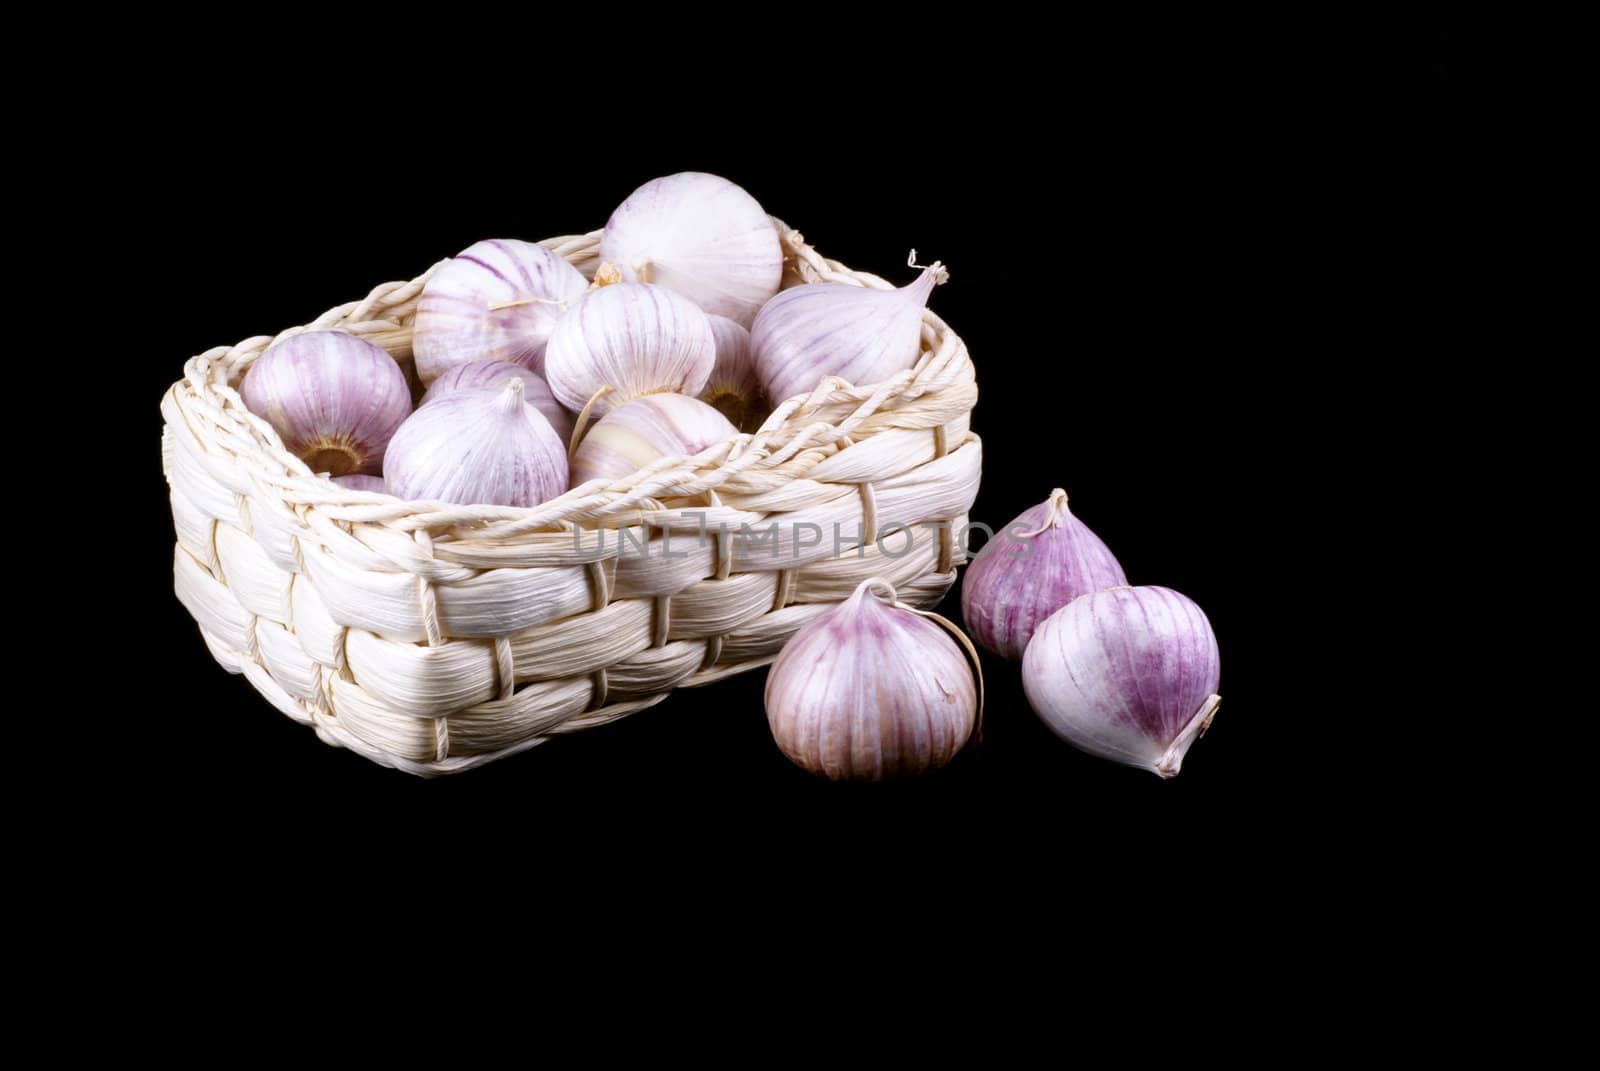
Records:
x=871, y=690
x=497, y=300
x=631, y=339
x=494, y=374
x=701, y=236
x=734, y=389
x=334, y=399
x=479, y=447
x=633, y=435
x=1043, y=560
x=1128, y=674
x=862, y=335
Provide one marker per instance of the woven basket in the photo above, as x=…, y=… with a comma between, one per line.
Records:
x=434, y=638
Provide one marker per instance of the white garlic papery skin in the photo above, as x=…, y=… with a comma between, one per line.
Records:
x=644, y=430
x=1129, y=674
x=480, y=447
x=701, y=236
x=734, y=389
x=871, y=690
x=333, y=399
x=359, y=482
x=495, y=374
x=497, y=300
x=633, y=338
x=815, y=330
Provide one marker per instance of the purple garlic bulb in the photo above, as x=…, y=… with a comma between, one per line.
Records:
x=334, y=399
x=496, y=300
x=480, y=447
x=862, y=335
x=734, y=389
x=1127, y=674
x=1043, y=560
x=871, y=690
x=495, y=374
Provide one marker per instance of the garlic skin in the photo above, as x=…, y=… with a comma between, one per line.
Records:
x=495, y=374
x=334, y=399
x=480, y=447
x=701, y=236
x=1043, y=560
x=498, y=300
x=1128, y=674
x=645, y=429
x=359, y=482
x=871, y=690
x=633, y=338
x=815, y=330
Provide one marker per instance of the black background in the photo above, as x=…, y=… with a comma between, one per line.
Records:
x=1134, y=248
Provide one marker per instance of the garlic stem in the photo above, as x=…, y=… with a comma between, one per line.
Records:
x=1052, y=519
x=1172, y=760
x=935, y=271
x=880, y=587
x=510, y=400
x=582, y=423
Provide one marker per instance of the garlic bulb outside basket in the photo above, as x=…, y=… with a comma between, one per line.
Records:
x=871, y=690
x=1129, y=674
x=1043, y=560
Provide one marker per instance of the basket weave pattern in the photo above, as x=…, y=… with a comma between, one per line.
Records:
x=434, y=638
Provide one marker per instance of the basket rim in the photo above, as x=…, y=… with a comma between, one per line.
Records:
x=835, y=412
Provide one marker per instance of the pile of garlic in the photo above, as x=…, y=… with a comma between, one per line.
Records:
x=873, y=689
x=1126, y=673
x=682, y=341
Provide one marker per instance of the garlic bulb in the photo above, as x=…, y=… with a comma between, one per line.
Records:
x=871, y=690
x=816, y=330
x=701, y=236
x=733, y=388
x=494, y=374
x=496, y=301
x=645, y=429
x=483, y=447
x=1043, y=560
x=359, y=482
x=632, y=338
x=1128, y=674
x=333, y=399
